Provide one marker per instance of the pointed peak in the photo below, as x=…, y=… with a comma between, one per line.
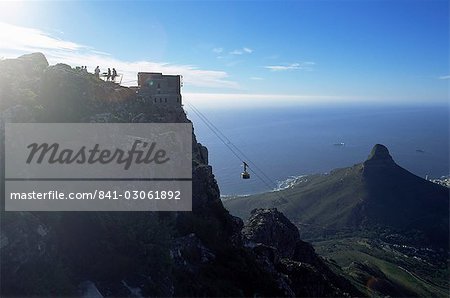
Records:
x=379, y=158
x=379, y=152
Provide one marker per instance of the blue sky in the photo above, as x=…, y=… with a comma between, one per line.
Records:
x=296, y=51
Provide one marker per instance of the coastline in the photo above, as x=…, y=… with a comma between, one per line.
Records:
x=281, y=185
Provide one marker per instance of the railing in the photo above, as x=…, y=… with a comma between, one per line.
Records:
x=117, y=79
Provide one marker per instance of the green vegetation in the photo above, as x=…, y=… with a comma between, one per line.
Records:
x=376, y=221
x=377, y=267
x=366, y=198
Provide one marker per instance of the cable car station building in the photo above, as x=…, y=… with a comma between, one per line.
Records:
x=160, y=89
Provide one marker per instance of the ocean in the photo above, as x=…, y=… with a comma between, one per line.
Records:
x=283, y=143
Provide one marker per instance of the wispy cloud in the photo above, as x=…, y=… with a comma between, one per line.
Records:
x=444, y=77
x=242, y=51
x=283, y=67
x=293, y=66
x=256, y=78
x=217, y=50
x=30, y=39
x=236, y=52
x=17, y=40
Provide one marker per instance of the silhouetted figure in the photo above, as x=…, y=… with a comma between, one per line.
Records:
x=108, y=76
x=114, y=74
x=97, y=72
x=85, y=68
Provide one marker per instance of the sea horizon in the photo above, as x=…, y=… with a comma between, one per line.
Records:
x=289, y=142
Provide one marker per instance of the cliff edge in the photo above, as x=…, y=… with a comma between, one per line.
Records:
x=198, y=253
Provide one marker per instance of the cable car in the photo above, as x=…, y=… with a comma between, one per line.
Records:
x=245, y=174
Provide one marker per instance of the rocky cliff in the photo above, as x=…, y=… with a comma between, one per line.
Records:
x=299, y=270
x=198, y=253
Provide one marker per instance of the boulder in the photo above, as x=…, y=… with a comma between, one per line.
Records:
x=271, y=227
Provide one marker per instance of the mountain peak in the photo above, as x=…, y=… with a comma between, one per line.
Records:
x=379, y=152
x=379, y=156
x=365, y=197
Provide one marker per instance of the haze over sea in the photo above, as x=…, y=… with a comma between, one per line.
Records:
x=292, y=141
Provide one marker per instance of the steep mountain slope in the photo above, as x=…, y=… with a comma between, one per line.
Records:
x=276, y=243
x=384, y=229
x=124, y=254
x=376, y=195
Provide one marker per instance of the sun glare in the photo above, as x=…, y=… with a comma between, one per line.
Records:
x=10, y=11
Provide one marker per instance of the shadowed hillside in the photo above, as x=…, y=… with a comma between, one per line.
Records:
x=382, y=227
x=376, y=194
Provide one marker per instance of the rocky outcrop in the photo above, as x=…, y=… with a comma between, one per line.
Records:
x=378, y=161
x=189, y=252
x=20, y=80
x=379, y=153
x=68, y=94
x=298, y=270
x=30, y=65
x=270, y=227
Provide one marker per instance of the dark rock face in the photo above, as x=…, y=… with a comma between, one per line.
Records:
x=379, y=158
x=296, y=267
x=379, y=152
x=304, y=279
x=270, y=227
x=189, y=252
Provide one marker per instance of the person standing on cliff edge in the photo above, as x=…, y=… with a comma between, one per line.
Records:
x=114, y=74
x=97, y=72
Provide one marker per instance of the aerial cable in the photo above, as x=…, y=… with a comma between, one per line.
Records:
x=232, y=147
x=227, y=142
x=235, y=147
